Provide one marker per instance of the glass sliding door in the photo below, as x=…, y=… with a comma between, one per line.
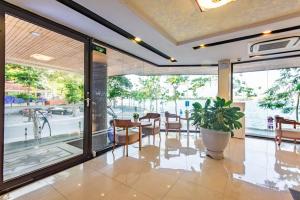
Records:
x=268, y=89
x=43, y=98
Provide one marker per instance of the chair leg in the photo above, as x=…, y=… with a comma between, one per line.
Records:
x=114, y=146
x=126, y=150
x=279, y=141
x=153, y=139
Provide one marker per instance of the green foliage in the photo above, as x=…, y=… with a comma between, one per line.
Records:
x=175, y=81
x=150, y=89
x=135, y=115
x=197, y=83
x=217, y=115
x=26, y=96
x=138, y=95
x=118, y=86
x=27, y=76
x=73, y=91
x=241, y=89
x=284, y=93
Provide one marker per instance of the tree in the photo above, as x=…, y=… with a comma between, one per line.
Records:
x=241, y=89
x=175, y=81
x=27, y=76
x=73, y=91
x=139, y=96
x=118, y=86
x=151, y=89
x=284, y=93
x=197, y=83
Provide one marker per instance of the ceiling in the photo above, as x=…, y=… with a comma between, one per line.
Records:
x=182, y=22
x=67, y=53
x=174, y=27
x=22, y=43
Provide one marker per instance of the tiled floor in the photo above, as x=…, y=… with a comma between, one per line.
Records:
x=176, y=168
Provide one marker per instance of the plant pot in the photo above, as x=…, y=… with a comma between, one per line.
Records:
x=135, y=120
x=215, y=142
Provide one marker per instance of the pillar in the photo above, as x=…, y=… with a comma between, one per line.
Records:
x=224, y=79
x=98, y=92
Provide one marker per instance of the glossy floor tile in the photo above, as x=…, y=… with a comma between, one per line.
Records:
x=176, y=167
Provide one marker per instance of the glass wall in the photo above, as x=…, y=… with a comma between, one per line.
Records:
x=138, y=87
x=267, y=90
x=44, y=87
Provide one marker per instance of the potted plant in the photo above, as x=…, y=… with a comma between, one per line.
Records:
x=216, y=120
x=136, y=117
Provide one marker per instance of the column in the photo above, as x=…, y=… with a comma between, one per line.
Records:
x=224, y=79
x=98, y=92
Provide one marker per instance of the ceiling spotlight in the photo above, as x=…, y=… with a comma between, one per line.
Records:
x=41, y=57
x=137, y=39
x=205, y=5
x=35, y=34
x=267, y=32
x=172, y=59
x=202, y=45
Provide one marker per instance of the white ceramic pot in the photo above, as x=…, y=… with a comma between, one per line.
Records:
x=215, y=142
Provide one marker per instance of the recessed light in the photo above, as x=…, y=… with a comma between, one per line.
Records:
x=137, y=39
x=41, y=57
x=205, y=5
x=35, y=34
x=173, y=59
x=267, y=32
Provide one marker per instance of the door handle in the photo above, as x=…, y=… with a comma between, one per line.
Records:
x=87, y=102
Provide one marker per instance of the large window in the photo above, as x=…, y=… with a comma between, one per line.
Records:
x=268, y=89
x=44, y=87
x=137, y=87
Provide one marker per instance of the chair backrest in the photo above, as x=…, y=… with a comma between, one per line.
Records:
x=169, y=115
x=280, y=120
x=122, y=123
x=151, y=116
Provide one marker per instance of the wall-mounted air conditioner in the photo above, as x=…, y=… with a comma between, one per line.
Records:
x=274, y=46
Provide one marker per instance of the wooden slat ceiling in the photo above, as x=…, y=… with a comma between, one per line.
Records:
x=21, y=44
x=68, y=54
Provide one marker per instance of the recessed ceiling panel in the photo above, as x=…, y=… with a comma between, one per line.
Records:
x=182, y=21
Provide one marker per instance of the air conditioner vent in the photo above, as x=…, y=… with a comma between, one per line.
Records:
x=273, y=45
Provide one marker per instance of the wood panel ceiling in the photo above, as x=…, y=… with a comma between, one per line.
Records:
x=24, y=39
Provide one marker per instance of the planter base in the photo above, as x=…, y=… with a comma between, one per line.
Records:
x=217, y=155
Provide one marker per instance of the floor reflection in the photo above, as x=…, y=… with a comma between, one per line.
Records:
x=175, y=167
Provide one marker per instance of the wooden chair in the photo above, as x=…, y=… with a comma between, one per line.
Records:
x=154, y=128
x=174, y=125
x=128, y=135
x=288, y=133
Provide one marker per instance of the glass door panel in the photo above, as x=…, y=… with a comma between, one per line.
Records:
x=44, y=87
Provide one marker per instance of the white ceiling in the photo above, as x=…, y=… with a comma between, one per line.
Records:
x=118, y=13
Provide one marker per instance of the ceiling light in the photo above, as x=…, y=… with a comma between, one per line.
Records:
x=267, y=32
x=172, y=59
x=41, y=57
x=202, y=46
x=35, y=34
x=137, y=39
x=210, y=4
